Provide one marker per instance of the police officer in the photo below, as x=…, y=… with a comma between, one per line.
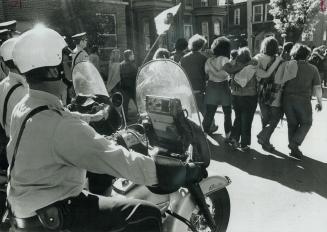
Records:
x=12, y=90
x=49, y=156
x=4, y=35
x=14, y=84
x=79, y=54
x=11, y=27
x=7, y=31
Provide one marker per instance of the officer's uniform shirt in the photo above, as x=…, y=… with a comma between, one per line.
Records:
x=5, y=85
x=3, y=71
x=79, y=55
x=54, y=152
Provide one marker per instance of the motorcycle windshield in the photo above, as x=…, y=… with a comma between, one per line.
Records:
x=159, y=85
x=165, y=78
x=87, y=80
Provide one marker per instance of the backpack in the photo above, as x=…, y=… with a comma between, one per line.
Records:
x=266, y=87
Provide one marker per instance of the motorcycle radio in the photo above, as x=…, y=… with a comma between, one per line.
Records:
x=162, y=111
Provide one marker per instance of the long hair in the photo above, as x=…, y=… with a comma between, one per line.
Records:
x=269, y=46
x=243, y=55
x=300, y=51
x=221, y=47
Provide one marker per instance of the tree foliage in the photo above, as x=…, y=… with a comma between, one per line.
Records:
x=294, y=17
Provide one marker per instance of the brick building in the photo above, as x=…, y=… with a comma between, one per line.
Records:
x=108, y=15
x=262, y=21
x=205, y=17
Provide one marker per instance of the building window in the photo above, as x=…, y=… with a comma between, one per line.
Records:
x=204, y=3
x=146, y=33
x=237, y=16
x=188, y=3
x=325, y=36
x=188, y=31
x=107, y=35
x=216, y=28
x=205, y=30
x=258, y=13
x=268, y=17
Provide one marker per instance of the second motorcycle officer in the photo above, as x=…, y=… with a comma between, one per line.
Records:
x=49, y=156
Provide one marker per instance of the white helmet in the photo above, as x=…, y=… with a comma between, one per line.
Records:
x=39, y=47
x=7, y=48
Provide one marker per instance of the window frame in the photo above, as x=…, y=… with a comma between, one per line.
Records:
x=239, y=16
x=190, y=26
x=147, y=47
x=214, y=28
x=254, y=14
x=105, y=51
x=207, y=36
x=204, y=3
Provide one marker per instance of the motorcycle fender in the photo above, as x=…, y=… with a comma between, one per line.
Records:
x=182, y=203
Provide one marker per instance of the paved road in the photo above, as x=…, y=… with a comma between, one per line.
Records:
x=272, y=192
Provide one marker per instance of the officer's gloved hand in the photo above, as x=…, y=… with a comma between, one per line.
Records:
x=195, y=173
x=102, y=113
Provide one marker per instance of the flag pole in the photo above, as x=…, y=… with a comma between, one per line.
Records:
x=149, y=52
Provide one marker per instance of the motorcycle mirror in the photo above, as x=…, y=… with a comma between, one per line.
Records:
x=117, y=99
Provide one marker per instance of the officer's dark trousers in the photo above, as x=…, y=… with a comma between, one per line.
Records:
x=128, y=94
x=244, y=107
x=272, y=116
x=107, y=214
x=210, y=115
x=298, y=111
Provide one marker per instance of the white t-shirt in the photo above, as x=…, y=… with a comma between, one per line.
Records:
x=213, y=68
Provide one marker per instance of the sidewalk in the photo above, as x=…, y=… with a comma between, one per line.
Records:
x=271, y=192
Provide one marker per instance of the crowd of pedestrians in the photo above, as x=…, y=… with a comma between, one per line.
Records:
x=279, y=81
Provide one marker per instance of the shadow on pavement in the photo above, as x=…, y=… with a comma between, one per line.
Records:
x=308, y=175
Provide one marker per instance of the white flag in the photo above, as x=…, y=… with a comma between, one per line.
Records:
x=165, y=18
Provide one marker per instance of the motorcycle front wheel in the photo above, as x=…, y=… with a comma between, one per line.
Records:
x=219, y=207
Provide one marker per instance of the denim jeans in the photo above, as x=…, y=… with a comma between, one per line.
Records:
x=272, y=118
x=210, y=115
x=244, y=107
x=298, y=111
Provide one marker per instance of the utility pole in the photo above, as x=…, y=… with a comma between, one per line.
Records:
x=181, y=19
x=228, y=2
x=249, y=25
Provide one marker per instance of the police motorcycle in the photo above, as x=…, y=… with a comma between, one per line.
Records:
x=170, y=125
